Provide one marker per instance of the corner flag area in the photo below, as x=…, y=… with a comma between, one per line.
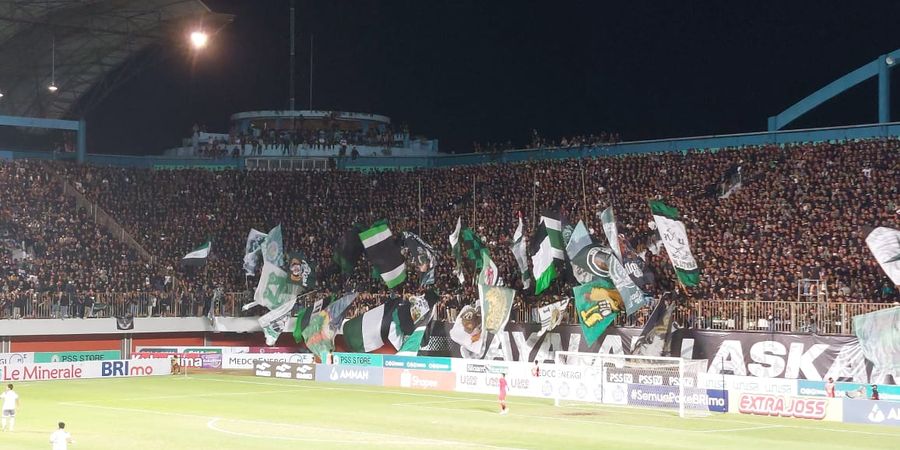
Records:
x=236, y=412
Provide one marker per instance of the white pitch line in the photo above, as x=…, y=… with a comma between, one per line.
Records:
x=731, y=430
x=328, y=430
x=363, y=440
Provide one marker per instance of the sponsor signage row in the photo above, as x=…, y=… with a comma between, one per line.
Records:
x=84, y=370
x=393, y=361
x=420, y=379
x=207, y=349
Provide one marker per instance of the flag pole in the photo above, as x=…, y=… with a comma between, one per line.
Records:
x=533, y=202
x=474, y=200
x=587, y=212
x=420, y=206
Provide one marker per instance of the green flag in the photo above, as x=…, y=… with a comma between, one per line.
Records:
x=303, y=272
x=303, y=316
x=597, y=305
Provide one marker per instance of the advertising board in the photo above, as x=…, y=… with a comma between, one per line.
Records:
x=417, y=362
x=817, y=389
x=245, y=360
x=296, y=371
x=786, y=406
x=98, y=355
x=875, y=412
x=359, y=359
x=84, y=370
x=756, y=385
x=9, y=359
x=196, y=360
x=350, y=374
x=669, y=396
x=420, y=379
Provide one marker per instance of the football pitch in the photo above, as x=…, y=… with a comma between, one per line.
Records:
x=224, y=412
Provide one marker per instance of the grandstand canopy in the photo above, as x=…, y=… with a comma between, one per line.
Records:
x=98, y=45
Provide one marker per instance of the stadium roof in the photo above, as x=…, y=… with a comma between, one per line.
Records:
x=98, y=45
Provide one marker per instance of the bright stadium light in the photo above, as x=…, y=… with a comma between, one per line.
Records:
x=199, y=39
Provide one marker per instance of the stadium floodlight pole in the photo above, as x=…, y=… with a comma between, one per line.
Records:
x=310, y=70
x=291, y=86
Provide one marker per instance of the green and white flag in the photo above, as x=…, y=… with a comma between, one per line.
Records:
x=518, y=248
x=456, y=248
x=274, y=288
x=197, y=256
x=552, y=315
x=252, y=249
x=542, y=260
x=275, y=321
x=884, y=243
x=384, y=253
x=272, y=248
x=675, y=239
x=374, y=328
x=489, y=275
x=552, y=220
x=496, y=305
x=597, y=304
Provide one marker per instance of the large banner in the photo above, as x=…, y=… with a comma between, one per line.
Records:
x=792, y=356
x=84, y=370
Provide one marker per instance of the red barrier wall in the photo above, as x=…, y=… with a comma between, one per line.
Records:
x=64, y=343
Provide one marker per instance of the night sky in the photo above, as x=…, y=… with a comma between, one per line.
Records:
x=465, y=71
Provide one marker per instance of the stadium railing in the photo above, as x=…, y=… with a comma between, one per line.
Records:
x=728, y=315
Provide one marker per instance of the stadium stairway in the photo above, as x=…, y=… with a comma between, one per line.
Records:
x=102, y=218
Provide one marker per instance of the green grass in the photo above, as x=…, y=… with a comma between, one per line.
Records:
x=224, y=412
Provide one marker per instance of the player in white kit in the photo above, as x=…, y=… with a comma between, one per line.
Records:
x=61, y=438
x=8, y=409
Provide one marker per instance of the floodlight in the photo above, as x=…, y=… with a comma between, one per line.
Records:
x=199, y=39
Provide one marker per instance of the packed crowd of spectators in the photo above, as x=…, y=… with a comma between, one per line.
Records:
x=538, y=141
x=800, y=213
x=291, y=141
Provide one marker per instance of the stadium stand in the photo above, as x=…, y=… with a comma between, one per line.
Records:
x=797, y=215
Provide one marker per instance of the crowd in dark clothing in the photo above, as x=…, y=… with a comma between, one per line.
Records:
x=799, y=213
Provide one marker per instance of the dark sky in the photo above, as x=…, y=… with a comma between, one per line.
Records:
x=465, y=71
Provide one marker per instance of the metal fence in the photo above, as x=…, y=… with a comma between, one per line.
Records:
x=730, y=315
